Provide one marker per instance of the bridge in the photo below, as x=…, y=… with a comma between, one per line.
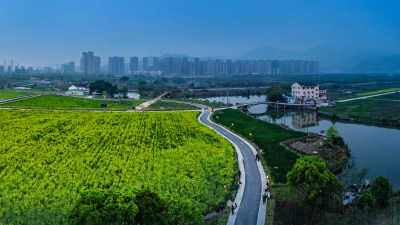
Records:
x=276, y=105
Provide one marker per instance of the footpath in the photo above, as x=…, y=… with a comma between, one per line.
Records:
x=251, y=209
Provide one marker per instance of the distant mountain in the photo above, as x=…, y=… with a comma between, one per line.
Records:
x=379, y=64
x=332, y=58
x=175, y=55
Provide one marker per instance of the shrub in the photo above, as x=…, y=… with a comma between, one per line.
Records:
x=366, y=200
x=382, y=190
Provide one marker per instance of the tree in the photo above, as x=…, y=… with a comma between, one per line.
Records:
x=124, y=79
x=99, y=206
x=382, y=190
x=332, y=133
x=286, y=89
x=366, y=201
x=100, y=85
x=310, y=176
x=124, y=92
x=274, y=94
x=168, y=210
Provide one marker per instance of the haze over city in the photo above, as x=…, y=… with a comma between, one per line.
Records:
x=40, y=33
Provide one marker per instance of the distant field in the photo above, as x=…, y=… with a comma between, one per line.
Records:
x=48, y=157
x=4, y=95
x=63, y=102
x=395, y=96
x=378, y=92
x=371, y=110
x=169, y=106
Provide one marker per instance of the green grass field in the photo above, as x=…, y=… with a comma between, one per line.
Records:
x=63, y=102
x=378, y=92
x=170, y=106
x=48, y=157
x=267, y=136
x=4, y=95
x=367, y=110
x=395, y=96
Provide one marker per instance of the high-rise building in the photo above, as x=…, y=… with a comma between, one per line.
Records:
x=1, y=69
x=156, y=63
x=90, y=64
x=145, y=63
x=68, y=68
x=134, y=64
x=116, y=65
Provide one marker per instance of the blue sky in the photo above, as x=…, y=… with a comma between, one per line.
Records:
x=38, y=32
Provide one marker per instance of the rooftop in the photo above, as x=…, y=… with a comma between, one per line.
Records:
x=307, y=84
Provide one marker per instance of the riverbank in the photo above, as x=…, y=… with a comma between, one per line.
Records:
x=382, y=111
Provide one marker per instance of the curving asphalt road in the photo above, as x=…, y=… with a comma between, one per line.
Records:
x=248, y=210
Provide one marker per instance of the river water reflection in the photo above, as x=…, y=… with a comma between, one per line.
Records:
x=374, y=147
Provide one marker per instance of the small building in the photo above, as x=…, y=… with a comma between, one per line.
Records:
x=308, y=93
x=78, y=89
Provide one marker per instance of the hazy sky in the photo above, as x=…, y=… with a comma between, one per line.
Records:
x=38, y=32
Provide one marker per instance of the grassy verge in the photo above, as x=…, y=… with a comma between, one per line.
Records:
x=377, y=92
x=267, y=136
x=62, y=102
x=4, y=95
x=373, y=111
x=170, y=106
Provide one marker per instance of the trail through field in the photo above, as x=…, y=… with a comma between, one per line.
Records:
x=250, y=209
x=144, y=105
x=364, y=97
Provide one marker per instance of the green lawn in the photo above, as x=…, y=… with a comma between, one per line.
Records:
x=62, y=102
x=4, y=95
x=170, y=106
x=267, y=136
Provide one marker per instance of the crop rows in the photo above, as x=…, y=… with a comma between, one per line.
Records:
x=47, y=158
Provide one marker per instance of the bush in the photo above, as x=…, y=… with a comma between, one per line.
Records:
x=366, y=200
x=110, y=206
x=382, y=190
x=98, y=206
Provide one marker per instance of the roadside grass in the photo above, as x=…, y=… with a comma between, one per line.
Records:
x=4, y=95
x=268, y=138
x=170, y=106
x=63, y=102
x=377, y=92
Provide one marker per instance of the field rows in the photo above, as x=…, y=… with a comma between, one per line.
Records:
x=47, y=158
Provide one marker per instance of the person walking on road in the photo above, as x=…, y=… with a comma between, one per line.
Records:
x=233, y=209
x=264, y=198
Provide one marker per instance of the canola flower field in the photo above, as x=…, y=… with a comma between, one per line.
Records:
x=48, y=157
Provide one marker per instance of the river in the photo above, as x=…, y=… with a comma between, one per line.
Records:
x=373, y=147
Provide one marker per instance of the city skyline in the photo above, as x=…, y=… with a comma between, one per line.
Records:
x=51, y=32
x=171, y=65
